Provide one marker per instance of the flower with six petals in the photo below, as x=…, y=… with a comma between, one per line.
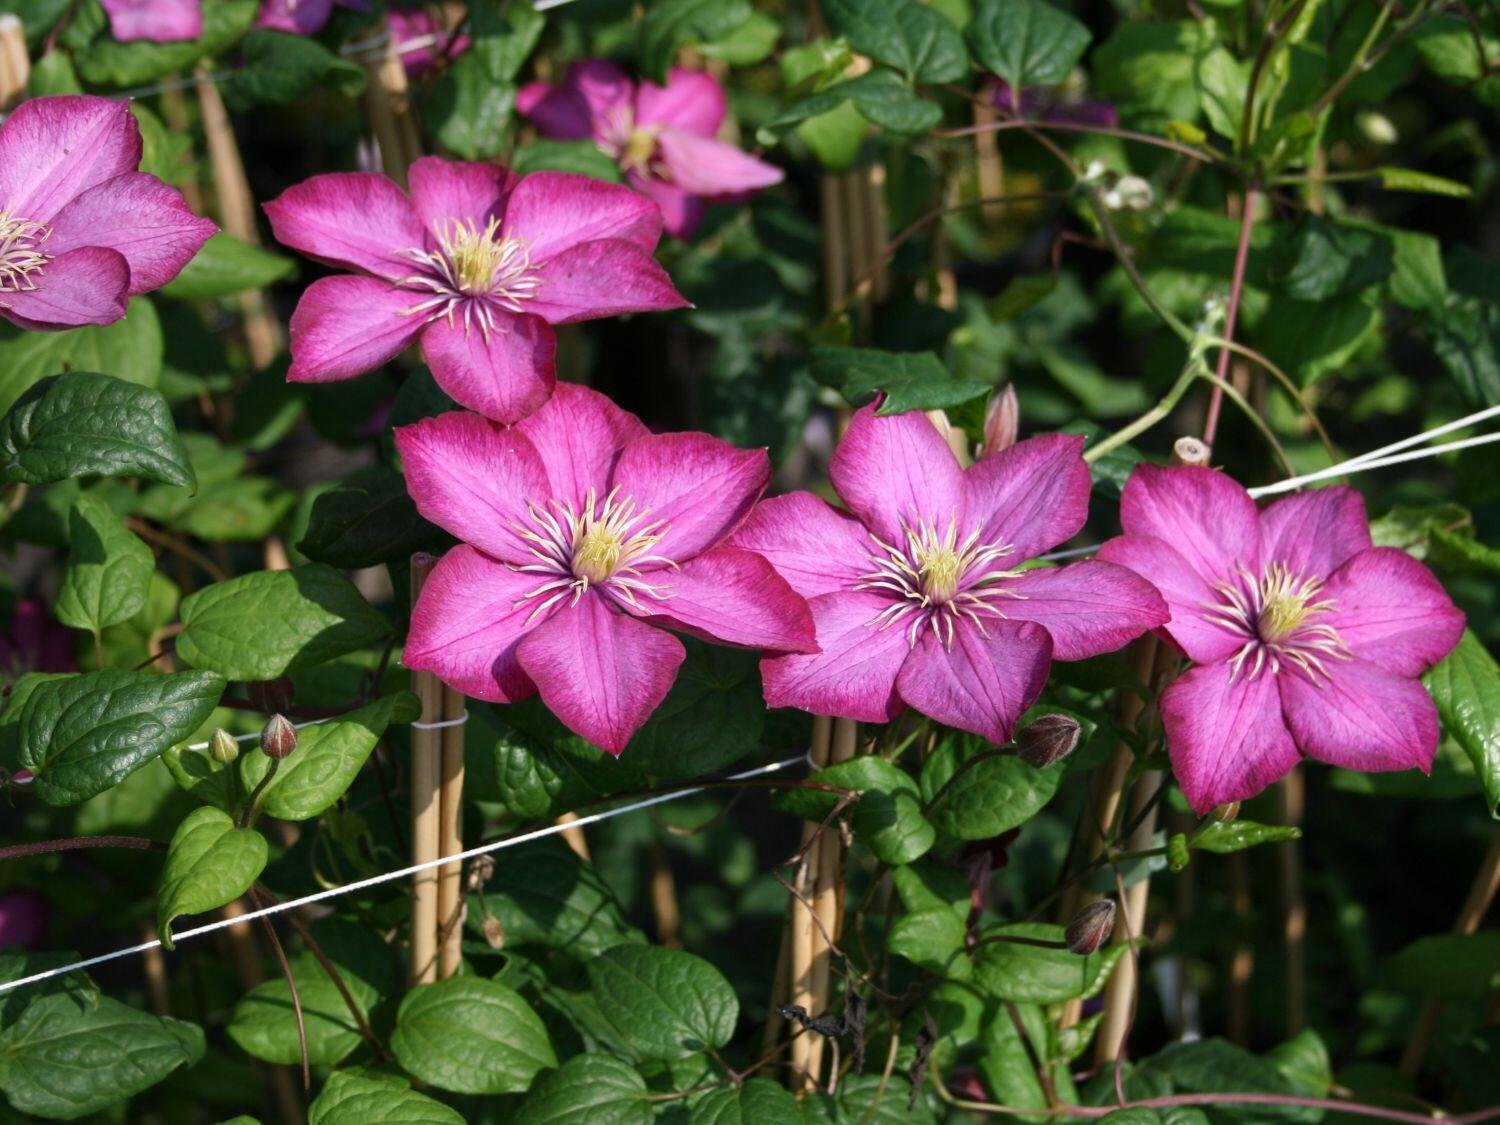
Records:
x=584, y=538
x=476, y=264
x=81, y=230
x=1305, y=639
x=917, y=591
x=662, y=137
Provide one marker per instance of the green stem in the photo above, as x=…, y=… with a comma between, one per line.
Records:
x=248, y=813
x=1156, y=414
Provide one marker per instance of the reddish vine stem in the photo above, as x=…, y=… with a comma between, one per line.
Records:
x=291, y=984
x=1079, y=127
x=1236, y=288
x=75, y=843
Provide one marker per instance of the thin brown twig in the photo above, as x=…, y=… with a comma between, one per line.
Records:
x=75, y=843
x=1236, y=288
x=177, y=547
x=291, y=983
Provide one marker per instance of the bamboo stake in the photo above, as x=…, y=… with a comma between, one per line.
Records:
x=426, y=776
x=388, y=105
x=827, y=897
x=1242, y=961
x=263, y=333
x=450, y=904
x=15, y=61
x=991, y=169
x=1290, y=803
x=1480, y=898
x=574, y=837
x=877, y=221
x=664, y=899
x=174, y=110
x=835, y=244
x=803, y=947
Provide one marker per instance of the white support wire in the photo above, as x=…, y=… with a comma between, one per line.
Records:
x=390, y=876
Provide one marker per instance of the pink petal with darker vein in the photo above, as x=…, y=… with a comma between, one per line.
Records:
x=606, y=277
x=1031, y=496
x=1089, y=608
x=53, y=149
x=1207, y=517
x=83, y=286
x=1389, y=609
x=814, y=546
x=984, y=682
x=1361, y=717
x=504, y=374
x=359, y=220
x=897, y=471
x=344, y=326
x=443, y=191
x=579, y=434
x=553, y=211
x=1314, y=532
x=854, y=674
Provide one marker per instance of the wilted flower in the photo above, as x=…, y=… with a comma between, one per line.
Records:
x=662, y=137
x=477, y=265
x=1305, y=639
x=80, y=229
x=917, y=592
x=1091, y=927
x=586, y=536
x=278, y=738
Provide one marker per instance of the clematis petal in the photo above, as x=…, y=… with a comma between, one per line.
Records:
x=1389, y=609
x=1207, y=517
x=296, y=17
x=83, y=286
x=730, y=596
x=681, y=211
x=446, y=190
x=53, y=149
x=600, y=671
x=814, y=546
x=579, y=434
x=141, y=217
x=579, y=108
x=552, y=211
x=691, y=101
x=467, y=623
x=344, y=326
x=606, y=277
x=1032, y=495
x=1089, y=608
x=984, y=682
x=1188, y=597
x=1361, y=717
x=359, y=220
x=1226, y=736
x=895, y=471
x=1314, y=532
x=156, y=21
x=504, y=375
x=474, y=478
x=698, y=487
x=854, y=674
x=712, y=168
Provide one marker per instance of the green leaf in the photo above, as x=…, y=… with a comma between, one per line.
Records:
x=932, y=939
x=713, y=716
x=1038, y=975
x=109, y=569
x=909, y=380
x=538, y=772
x=66, y=1057
x=468, y=110
x=547, y=896
x=1466, y=689
x=668, y=1004
x=325, y=763
x=1313, y=338
x=1460, y=554
x=1328, y=259
x=365, y=520
x=1026, y=42
x=210, y=862
x=107, y=62
x=1149, y=65
x=1213, y=1066
x=80, y=424
x=1462, y=968
x=975, y=792
x=915, y=39
x=596, y=1088
x=888, y=816
x=1409, y=179
x=260, y=626
x=881, y=98
x=1303, y=1061
x=226, y=266
x=471, y=1036
x=369, y=1097
x=130, y=349
x=1224, y=836
x=670, y=25
x=82, y=734
x=279, y=69
x=581, y=157
x=504, y=35
x=1222, y=81
x=754, y=1102
x=1466, y=338
x=264, y=1022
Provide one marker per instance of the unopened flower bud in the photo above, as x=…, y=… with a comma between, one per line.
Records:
x=1227, y=812
x=1091, y=927
x=1376, y=127
x=1002, y=421
x=1048, y=740
x=494, y=932
x=278, y=738
x=222, y=747
x=271, y=697
x=1130, y=193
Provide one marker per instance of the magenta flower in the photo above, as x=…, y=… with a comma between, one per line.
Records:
x=158, y=21
x=423, y=39
x=661, y=137
x=35, y=642
x=584, y=537
x=1305, y=639
x=80, y=229
x=302, y=17
x=917, y=591
x=24, y=915
x=477, y=265
x=1050, y=103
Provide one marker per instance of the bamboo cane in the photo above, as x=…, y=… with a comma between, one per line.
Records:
x=450, y=833
x=388, y=104
x=827, y=898
x=426, y=777
x=803, y=945
x=15, y=62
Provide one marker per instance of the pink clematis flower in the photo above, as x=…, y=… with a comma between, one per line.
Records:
x=917, y=592
x=477, y=264
x=302, y=17
x=661, y=137
x=80, y=229
x=1305, y=639
x=585, y=537
x=423, y=39
x=157, y=21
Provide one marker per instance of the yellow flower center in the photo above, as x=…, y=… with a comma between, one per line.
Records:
x=938, y=570
x=639, y=147
x=597, y=553
x=1286, y=602
x=19, y=256
x=481, y=260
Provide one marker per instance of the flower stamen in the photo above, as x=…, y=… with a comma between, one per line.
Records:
x=20, y=258
x=1277, y=614
x=479, y=270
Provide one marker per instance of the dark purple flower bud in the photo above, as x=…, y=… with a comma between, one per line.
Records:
x=1091, y=927
x=278, y=738
x=1048, y=740
x=271, y=697
x=1002, y=421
